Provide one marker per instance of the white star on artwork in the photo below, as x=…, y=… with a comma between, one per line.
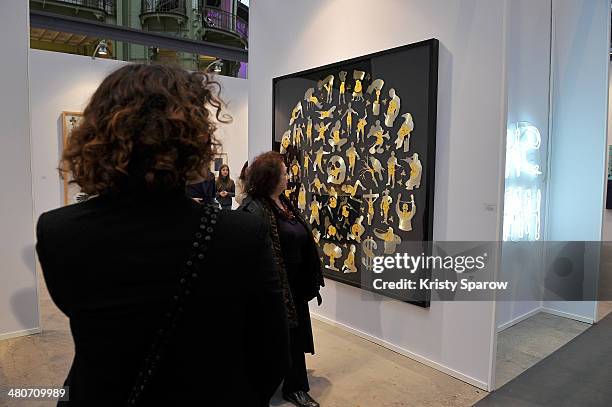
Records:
x=385, y=101
x=399, y=182
x=368, y=103
x=387, y=148
x=362, y=149
x=391, y=219
x=403, y=172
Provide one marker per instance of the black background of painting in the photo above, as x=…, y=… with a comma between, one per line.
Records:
x=412, y=71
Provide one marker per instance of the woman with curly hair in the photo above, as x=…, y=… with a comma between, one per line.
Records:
x=298, y=264
x=141, y=269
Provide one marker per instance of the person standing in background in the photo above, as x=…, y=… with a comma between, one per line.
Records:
x=240, y=184
x=202, y=189
x=225, y=187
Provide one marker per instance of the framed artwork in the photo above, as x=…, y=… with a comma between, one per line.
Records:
x=359, y=140
x=71, y=192
x=217, y=162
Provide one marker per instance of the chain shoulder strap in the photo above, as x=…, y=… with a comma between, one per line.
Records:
x=172, y=317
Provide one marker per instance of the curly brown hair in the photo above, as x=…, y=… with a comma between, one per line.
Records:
x=146, y=126
x=263, y=175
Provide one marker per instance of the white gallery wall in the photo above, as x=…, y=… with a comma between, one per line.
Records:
x=580, y=60
x=18, y=291
x=528, y=76
x=63, y=82
x=495, y=64
x=606, y=234
x=290, y=36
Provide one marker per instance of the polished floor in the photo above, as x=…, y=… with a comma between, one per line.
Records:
x=346, y=372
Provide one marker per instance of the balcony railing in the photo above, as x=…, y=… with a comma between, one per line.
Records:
x=224, y=21
x=107, y=6
x=164, y=6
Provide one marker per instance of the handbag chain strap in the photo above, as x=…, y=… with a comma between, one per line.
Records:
x=186, y=287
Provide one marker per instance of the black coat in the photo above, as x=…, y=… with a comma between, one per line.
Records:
x=112, y=265
x=304, y=288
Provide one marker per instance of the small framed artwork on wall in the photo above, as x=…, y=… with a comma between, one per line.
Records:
x=71, y=192
x=217, y=162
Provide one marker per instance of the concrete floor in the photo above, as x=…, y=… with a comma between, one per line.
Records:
x=346, y=372
x=523, y=345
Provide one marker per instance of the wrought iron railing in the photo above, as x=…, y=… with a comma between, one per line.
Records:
x=225, y=21
x=164, y=6
x=107, y=6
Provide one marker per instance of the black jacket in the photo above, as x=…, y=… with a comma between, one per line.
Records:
x=307, y=286
x=112, y=264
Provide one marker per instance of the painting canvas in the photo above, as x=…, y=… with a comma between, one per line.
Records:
x=217, y=162
x=358, y=137
x=71, y=192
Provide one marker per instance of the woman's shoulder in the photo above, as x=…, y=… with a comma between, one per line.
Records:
x=241, y=226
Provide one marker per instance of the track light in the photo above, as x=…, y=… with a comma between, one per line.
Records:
x=101, y=50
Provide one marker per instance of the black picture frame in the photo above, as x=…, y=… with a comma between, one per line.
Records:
x=425, y=54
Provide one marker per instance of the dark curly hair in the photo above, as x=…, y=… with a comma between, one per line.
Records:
x=146, y=126
x=263, y=174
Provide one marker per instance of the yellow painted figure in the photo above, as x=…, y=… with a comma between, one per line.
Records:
x=385, y=205
x=336, y=140
x=352, y=189
x=403, y=134
x=349, y=118
x=358, y=88
x=333, y=252
x=311, y=99
x=318, y=162
x=302, y=198
x=296, y=112
x=327, y=114
x=317, y=186
x=391, y=164
x=357, y=229
x=352, y=156
x=390, y=239
x=349, y=262
x=306, y=163
x=295, y=170
x=327, y=84
x=285, y=141
x=332, y=232
x=378, y=133
x=297, y=136
x=341, y=97
x=315, y=207
x=393, y=108
x=370, y=199
x=288, y=192
x=404, y=214
x=309, y=131
x=416, y=170
x=321, y=128
x=361, y=127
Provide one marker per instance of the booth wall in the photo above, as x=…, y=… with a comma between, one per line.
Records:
x=286, y=37
x=63, y=82
x=528, y=76
x=606, y=234
x=18, y=291
x=580, y=55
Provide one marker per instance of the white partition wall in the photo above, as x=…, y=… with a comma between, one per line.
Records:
x=18, y=292
x=580, y=55
x=290, y=36
x=62, y=82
